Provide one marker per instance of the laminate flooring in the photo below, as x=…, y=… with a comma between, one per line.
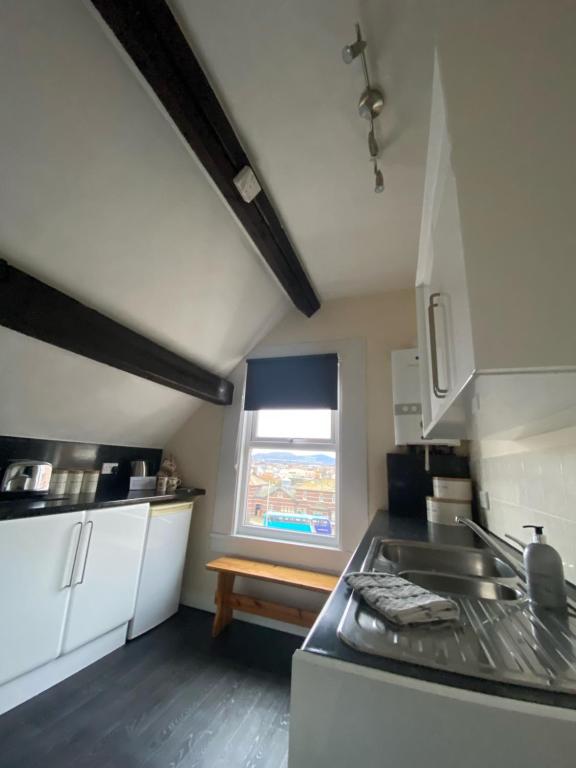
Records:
x=172, y=698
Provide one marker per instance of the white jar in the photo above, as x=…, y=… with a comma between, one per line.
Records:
x=445, y=511
x=58, y=482
x=74, y=484
x=90, y=481
x=457, y=488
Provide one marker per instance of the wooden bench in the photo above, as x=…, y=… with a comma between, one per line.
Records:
x=227, y=601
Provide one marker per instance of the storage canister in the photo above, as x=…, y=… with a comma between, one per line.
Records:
x=445, y=511
x=74, y=484
x=90, y=481
x=58, y=481
x=457, y=488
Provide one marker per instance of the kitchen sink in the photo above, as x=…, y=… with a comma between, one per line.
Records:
x=497, y=636
x=421, y=556
x=481, y=589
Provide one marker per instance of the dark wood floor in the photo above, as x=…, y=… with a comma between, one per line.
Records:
x=172, y=698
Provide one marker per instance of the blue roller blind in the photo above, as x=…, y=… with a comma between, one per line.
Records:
x=309, y=381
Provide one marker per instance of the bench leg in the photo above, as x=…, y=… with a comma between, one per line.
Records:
x=223, y=615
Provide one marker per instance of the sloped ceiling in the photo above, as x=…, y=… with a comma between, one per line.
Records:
x=278, y=68
x=100, y=197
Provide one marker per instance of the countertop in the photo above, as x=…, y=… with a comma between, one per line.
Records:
x=324, y=641
x=14, y=509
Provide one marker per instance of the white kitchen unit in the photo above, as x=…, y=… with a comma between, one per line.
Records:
x=344, y=715
x=69, y=586
x=36, y=559
x=163, y=566
x=106, y=579
x=407, y=400
x=496, y=265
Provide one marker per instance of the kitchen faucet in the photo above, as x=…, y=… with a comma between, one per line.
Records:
x=541, y=570
x=495, y=546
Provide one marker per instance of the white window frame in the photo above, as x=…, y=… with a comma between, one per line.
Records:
x=353, y=474
x=248, y=440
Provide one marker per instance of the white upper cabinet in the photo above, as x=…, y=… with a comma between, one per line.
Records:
x=444, y=327
x=36, y=564
x=448, y=310
x=107, y=570
x=497, y=255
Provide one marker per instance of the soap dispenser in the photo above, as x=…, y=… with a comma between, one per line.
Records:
x=544, y=572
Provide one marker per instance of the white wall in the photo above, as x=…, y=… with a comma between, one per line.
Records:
x=531, y=481
x=100, y=197
x=386, y=322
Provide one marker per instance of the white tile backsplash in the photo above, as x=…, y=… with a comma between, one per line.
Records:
x=532, y=487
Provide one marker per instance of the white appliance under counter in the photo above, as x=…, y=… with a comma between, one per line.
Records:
x=163, y=566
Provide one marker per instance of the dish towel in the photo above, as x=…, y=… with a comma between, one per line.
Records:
x=400, y=601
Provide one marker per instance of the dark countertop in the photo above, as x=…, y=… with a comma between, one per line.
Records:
x=14, y=509
x=324, y=641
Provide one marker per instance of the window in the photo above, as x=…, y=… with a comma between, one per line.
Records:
x=287, y=481
x=230, y=532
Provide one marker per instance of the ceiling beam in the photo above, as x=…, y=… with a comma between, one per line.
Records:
x=29, y=306
x=152, y=38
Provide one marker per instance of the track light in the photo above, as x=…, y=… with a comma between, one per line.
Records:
x=352, y=51
x=373, y=147
x=370, y=105
x=378, y=178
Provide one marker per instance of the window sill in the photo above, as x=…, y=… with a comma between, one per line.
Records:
x=289, y=542
x=289, y=552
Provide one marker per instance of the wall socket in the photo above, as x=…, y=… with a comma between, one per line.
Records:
x=484, y=500
x=110, y=467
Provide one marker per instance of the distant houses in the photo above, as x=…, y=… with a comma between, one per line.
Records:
x=311, y=497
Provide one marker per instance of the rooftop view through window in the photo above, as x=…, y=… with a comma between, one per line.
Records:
x=291, y=477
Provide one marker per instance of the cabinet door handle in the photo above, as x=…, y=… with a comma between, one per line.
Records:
x=439, y=391
x=91, y=524
x=75, y=526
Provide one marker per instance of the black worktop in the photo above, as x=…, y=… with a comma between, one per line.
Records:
x=324, y=641
x=14, y=509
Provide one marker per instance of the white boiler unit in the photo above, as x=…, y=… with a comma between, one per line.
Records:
x=408, y=400
x=163, y=566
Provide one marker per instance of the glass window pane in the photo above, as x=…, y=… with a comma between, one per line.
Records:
x=307, y=424
x=291, y=491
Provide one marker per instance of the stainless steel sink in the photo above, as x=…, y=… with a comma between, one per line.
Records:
x=481, y=589
x=421, y=556
x=497, y=636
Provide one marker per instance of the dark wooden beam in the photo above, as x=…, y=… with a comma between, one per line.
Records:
x=154, y=41
x=29, y=306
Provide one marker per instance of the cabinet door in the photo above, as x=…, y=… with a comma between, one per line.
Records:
x=107, y=572
x=448, y=313
x=163, y=566
x=444, y=325
x=36, y=563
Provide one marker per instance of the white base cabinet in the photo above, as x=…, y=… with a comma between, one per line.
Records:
x=106, y=579
x=25, y=687
x=66, y=580
x=36, y=558
x=344, y=715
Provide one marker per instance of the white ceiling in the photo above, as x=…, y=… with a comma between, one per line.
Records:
x=278, y=69
x=100, y=197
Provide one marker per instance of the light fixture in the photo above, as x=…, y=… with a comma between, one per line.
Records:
x=378, y=178
x=370, y=105
x=352, y=51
